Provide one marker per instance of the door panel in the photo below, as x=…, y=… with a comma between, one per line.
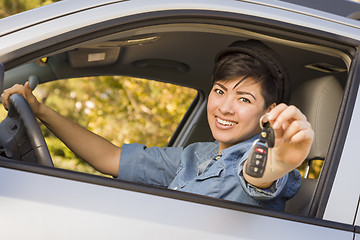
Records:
x=36, y=206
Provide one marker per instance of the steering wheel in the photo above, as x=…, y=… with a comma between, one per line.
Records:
x=20, y=134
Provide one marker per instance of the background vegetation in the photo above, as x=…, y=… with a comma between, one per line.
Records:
x=10, y=7
x=120, y=109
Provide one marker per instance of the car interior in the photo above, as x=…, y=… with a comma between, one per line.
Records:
x=183, y=53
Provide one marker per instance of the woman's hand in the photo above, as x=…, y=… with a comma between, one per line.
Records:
x=26, y=92
x=293, y=136
x=293, y=139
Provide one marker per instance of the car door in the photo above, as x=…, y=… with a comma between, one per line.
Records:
x=41, y=202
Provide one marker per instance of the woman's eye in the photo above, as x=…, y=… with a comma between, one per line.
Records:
x=242, y=99
x=219, y=91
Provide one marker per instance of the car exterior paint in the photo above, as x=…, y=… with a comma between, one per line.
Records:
x=40, y=205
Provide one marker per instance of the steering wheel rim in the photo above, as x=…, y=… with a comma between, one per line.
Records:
x=20, y=109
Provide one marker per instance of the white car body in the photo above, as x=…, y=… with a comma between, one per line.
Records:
x=43, y=203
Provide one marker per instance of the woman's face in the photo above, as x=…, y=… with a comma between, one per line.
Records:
x=234, y=111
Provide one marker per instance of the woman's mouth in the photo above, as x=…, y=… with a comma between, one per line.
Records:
x=225, y=122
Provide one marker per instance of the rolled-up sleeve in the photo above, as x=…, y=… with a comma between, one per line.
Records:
x=284, y=188
x=276, y=195
x=153, y=165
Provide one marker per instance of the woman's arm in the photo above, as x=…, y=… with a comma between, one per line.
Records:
x=97, y=151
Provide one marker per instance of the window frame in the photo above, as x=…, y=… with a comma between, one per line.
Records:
x=43, y=48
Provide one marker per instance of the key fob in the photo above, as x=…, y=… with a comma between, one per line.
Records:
x=256, y=162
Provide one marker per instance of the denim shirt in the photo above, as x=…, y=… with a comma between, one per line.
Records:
x=198, y=168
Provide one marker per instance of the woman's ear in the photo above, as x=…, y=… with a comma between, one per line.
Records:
x=271, y=107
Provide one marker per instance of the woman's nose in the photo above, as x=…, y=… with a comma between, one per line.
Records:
x=226, y=107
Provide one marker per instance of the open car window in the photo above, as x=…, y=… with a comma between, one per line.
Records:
x=149, y=52
x=319, y=76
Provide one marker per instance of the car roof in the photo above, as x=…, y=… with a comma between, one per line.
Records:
x=339, y=7
x=63, y=8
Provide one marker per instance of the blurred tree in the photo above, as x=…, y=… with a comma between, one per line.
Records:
x=120, y=109
x=10, y=7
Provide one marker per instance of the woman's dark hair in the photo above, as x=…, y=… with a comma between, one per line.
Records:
x=253, y=58
x=237, y=65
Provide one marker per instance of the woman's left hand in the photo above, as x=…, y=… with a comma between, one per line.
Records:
x=293, y=136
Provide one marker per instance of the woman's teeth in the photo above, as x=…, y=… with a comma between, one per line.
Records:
x=226, y=123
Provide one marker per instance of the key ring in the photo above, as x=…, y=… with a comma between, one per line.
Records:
x=261, y=121
x=264, y=134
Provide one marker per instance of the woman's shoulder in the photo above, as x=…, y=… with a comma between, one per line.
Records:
x=202, y=145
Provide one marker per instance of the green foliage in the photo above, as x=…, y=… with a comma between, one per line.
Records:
x=10, y=7
x=120, y=109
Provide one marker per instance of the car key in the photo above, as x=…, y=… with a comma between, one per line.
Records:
x=256, y=163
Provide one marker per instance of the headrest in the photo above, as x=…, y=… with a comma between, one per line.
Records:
x=268, y=58
x=319, y=99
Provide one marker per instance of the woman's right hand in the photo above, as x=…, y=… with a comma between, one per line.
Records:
x=26, y=92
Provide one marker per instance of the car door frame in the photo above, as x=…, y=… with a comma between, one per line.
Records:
x=327, y=184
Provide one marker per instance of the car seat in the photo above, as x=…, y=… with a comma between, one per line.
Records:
x=319, y=99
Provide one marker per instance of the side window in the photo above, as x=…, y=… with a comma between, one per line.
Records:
x=120, y=109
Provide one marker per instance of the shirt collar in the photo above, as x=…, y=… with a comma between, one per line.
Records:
x=212, y=149
x=241, y=147
x=208, y=152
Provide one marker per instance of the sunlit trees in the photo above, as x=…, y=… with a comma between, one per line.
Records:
x=120, y=109
x=10, y=7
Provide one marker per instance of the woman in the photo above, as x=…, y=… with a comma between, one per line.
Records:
x=248, y=81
